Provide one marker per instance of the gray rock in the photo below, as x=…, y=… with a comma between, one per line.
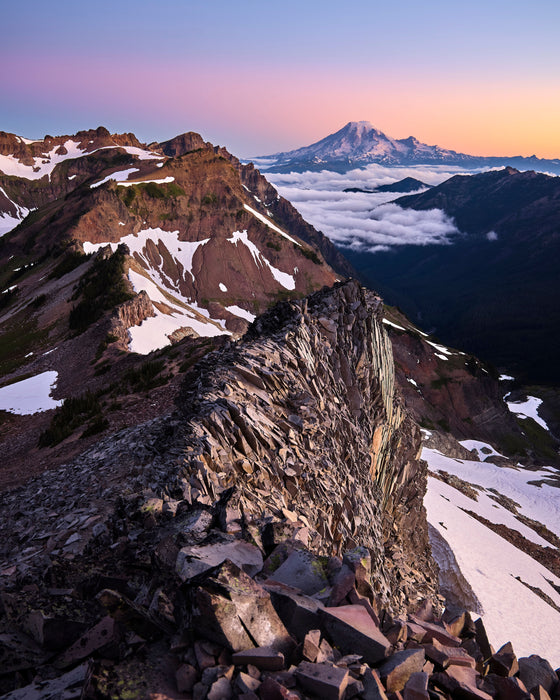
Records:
x=302, y=570
x=195, y=560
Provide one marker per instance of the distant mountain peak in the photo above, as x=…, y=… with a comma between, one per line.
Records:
x=359, y=143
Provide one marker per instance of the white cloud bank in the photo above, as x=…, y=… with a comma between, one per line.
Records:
x=367, y=221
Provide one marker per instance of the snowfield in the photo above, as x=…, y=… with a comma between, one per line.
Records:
x=30, y=395
x=498, y=573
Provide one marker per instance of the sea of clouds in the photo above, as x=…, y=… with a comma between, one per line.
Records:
x=364, y=221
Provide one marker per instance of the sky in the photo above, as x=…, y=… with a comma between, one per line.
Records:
x=480, y=77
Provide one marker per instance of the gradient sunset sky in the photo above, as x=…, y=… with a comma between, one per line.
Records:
x=482, y=77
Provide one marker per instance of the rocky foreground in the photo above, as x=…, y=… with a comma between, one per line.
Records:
x=238, y=608
x=267, y=539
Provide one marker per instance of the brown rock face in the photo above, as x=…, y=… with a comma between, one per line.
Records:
x=305, y=412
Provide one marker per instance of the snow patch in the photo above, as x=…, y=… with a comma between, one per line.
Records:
x=269, y=223
x=483, y=449
x=441, y=348
x=394, y=325
x=118, y=177
x=242, y=313
x=222, y=287
x=161, y=181
x=30, y=395
x=528, y=409
x=283, y=278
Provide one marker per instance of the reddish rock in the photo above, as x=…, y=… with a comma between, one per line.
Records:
x=246, y=683
x=192, y=561
x=322, y=680
x=271, y=689
x=247, y=613
x=415, y=632
x=434, y=631
x=445, y=656
x=460, y=681
x=355, y=632
x=298, y=612
x=220, y=690
x=302, y=570
x=357, y=599
x=425, y=612
x=358, y=560
x=204, y=658
x=454, y=622
x=398, y=668
x=505, y=688
x=343, y=583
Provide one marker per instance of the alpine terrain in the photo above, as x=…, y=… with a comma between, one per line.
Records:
x=230, y=470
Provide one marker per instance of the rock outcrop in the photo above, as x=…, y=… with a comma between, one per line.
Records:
x=304, y=418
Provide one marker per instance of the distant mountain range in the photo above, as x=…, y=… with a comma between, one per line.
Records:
x=359, y=143
x=494, y=290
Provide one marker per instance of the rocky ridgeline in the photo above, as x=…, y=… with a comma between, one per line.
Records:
x=305, y=420
x=266, y=540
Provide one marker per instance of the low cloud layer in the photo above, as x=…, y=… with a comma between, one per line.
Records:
x=364, y=221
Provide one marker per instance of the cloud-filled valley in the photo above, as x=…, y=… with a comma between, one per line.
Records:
x=367, y=221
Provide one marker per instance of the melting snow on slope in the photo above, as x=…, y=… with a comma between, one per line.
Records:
x=283, y=278
x=222, y=287
x=441, y=348
x=161, y=181
x=7, y=222
x=153, y=332
x=269, y=223
x=183, y=251
x=483, y=449
x=118, y=177
x=46, y=163
x=541, y=503
x=528, y=409
x=30, y=395
x=394, y=325
x=491, y=565
x=242, y=313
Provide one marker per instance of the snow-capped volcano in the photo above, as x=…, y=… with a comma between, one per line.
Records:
x=360, y=143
